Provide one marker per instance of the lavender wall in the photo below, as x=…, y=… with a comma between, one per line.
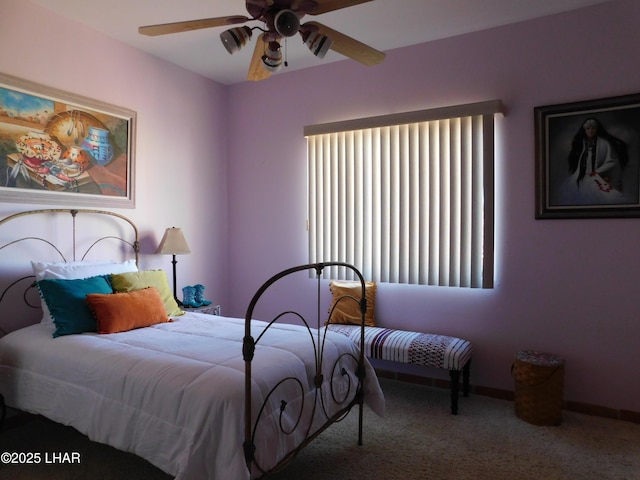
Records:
x=227, y=164
x=568, y=287
x=181, y=141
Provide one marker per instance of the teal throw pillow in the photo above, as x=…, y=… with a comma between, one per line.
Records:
x=66, y=300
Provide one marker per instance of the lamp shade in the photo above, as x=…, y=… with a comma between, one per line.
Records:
x=318, y=43
x=272, y=58
x=173, y=243
x=235, y=38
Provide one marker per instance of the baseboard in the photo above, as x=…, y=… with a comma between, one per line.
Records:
x=579, y=407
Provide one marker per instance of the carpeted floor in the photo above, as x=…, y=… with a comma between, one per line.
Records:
x=417, y=439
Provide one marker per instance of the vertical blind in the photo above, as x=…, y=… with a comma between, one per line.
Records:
x=406, y=198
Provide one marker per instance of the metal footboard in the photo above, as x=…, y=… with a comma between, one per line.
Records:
x=317, y=337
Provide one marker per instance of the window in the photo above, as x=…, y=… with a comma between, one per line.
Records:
x=406, y=198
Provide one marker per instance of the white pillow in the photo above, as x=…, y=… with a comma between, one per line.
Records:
x=77, y=270
x=81, y=269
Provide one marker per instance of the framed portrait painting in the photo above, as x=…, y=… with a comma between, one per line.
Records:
x=57, y=148
x=587, y=159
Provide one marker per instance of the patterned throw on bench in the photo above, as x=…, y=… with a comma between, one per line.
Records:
x=426, y=349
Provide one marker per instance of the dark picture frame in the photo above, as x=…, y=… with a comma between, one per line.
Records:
x=579, y=177
x=58, y=148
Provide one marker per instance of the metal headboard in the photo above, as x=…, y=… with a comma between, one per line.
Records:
x=133, y=242
x=135, y=245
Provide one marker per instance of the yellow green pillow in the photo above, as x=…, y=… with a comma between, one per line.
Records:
x=348, y=311
x=127, y=282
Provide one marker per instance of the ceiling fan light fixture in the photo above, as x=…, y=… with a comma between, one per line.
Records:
x=280, y=19
x=318, y=43
x=235, y=38
x=272, y=58
x=286, y=23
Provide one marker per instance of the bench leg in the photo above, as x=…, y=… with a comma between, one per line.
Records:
x=455, y=385
x=466, y=371
x=455, y=381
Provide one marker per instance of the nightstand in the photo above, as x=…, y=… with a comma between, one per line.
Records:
x=209, y=309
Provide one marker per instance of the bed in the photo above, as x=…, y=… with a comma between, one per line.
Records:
x=199, y=396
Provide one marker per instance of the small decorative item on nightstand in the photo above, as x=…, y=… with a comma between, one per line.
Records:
x=188, y=297
x=193, y=296
x=199, y=295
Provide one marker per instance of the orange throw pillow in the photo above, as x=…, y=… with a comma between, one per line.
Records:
x=120, y=312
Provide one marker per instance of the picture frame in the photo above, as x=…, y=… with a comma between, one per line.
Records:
x=588, y=158
x=59, y=148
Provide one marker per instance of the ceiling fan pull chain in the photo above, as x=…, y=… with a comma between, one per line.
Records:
x=286, y=63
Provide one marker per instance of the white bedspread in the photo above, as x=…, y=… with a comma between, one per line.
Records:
x=172, y=393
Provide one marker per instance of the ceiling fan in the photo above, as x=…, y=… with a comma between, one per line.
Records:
x=281, y=18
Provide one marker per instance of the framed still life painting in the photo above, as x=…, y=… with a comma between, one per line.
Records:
x=61, y=148
x=587, y=159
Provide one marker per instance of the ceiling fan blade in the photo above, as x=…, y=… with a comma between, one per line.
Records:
x=325, y=6
x=177, y=27
x=257, y=71
x=349, y=47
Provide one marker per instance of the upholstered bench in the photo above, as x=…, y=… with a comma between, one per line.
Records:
x=440, y=351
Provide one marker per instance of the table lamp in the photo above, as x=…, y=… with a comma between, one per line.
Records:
x=173, y=243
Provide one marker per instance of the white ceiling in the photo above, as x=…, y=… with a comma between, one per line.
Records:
x=382, y=24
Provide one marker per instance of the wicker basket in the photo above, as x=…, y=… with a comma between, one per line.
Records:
x=539, y=379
